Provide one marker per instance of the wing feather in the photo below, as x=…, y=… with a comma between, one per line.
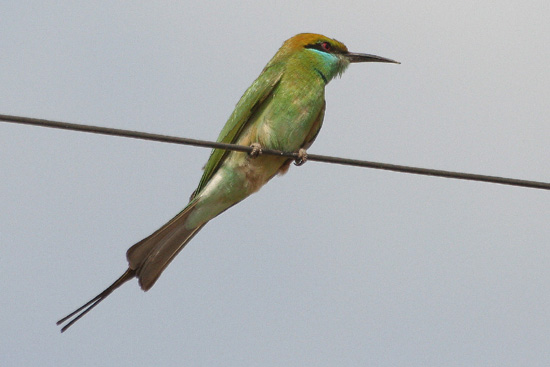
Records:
x=251, y=101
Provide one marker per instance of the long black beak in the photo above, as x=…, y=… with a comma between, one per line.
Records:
x=354, y=57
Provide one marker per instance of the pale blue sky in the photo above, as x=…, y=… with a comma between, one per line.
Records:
x=326, y=266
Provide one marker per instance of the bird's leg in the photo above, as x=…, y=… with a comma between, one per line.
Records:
x=301, y=158
x=256, y=150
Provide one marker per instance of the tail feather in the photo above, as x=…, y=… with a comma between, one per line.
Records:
x=84, y=309
x=147, y=259
x=152, y=255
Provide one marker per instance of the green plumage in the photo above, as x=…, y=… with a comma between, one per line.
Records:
x=249, y=103
x=283, y=109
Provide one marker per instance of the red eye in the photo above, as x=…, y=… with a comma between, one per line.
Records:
x=326, y=46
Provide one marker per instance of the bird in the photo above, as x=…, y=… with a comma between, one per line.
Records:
x=283, y=109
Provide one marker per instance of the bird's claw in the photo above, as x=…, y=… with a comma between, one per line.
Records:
x=256, y=150
x=301, y=158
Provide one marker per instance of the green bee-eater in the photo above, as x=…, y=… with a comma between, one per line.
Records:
x=283, y=109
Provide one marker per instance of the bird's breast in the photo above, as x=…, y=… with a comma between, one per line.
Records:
x=290, y=116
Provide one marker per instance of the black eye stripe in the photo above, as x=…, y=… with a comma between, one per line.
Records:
x=321, y=46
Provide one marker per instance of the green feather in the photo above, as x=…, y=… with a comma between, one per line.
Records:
x=251, y=101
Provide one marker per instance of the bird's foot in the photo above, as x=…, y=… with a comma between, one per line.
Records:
x=301, y=158
x=256, y=150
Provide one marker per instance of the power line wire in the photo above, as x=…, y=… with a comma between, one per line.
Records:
x=248, y=149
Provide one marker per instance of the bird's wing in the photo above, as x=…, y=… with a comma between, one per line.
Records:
x=252, y=100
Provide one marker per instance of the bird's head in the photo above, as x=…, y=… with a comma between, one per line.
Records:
x=328, y=56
